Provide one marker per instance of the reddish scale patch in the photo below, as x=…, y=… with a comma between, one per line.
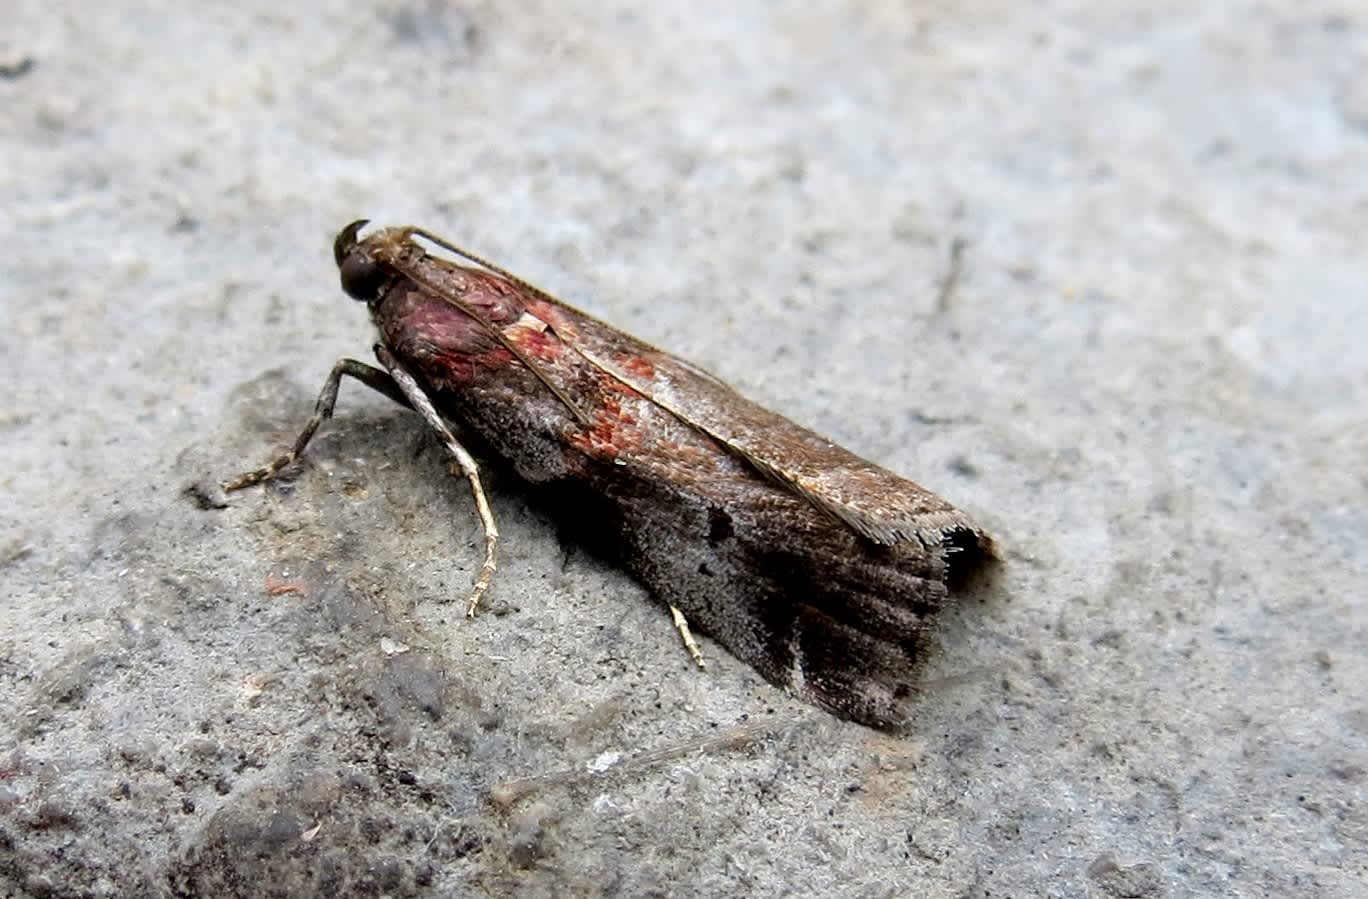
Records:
x=611, y=434
x=549, y=313
x=456, y=370
x=617, y=386
x=637, y=365
x=541, y=345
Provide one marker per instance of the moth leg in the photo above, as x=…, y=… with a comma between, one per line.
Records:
x=372, y=377
x=682, y=625
x=419, y=402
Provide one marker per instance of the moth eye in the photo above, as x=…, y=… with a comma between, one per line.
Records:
x=362, y=278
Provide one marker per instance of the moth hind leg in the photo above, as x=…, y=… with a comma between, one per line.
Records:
x=374, y=378
x=686, y=635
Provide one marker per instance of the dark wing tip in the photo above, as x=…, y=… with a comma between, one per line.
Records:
x=970, y=557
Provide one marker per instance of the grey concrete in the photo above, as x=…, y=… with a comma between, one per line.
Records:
x=1150, y=380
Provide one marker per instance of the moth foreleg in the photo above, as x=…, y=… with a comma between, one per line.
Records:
x=372, y=377
x=419, y=402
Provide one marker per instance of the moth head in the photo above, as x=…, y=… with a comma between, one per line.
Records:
x=362, y=277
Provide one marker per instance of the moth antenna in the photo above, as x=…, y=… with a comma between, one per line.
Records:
x=483, y=263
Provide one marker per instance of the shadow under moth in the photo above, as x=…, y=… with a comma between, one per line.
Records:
x=821, y=570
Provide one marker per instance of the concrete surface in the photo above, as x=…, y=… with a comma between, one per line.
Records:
x=1149, y=379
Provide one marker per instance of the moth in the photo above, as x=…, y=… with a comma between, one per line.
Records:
x=821, y=570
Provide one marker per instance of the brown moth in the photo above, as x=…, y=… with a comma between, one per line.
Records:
x=818, y=568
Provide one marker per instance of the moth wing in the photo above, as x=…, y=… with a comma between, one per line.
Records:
x=874, y=502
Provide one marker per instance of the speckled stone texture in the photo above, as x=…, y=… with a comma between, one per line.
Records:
x=1148, y=379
